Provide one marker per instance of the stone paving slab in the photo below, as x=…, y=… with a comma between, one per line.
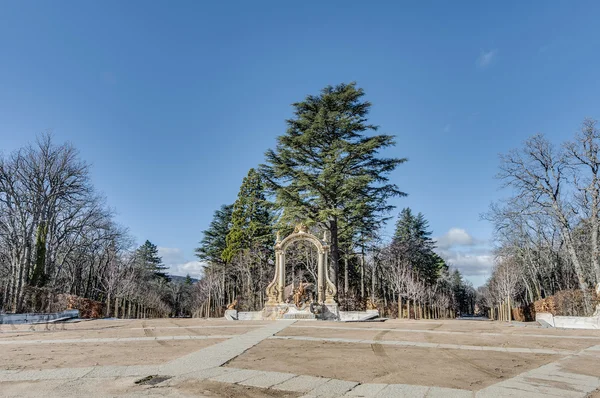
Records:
x=332, y=388
x=204, y=374
x=527, y=387
x=122, y=371
x=301, y=384
x=403, y=390
x=440, y=392
x=367, y=390
x=267, y=379
x=221, y=353
x=237, y=375
x=572, y=378
x=500, y=392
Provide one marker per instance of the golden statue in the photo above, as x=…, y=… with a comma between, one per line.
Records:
x=371, y=304
x=233, y=305
x=300, y=295
x=301, y=228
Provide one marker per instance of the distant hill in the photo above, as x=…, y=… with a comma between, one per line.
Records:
x=181, y=279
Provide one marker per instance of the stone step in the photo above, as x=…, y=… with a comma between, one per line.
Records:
x=299, y=315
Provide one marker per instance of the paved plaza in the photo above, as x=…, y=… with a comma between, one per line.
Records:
x=215, y=358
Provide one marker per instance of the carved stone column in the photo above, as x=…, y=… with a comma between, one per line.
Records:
x=320, y=279
x=273, y=287
x=330, y=289
x=281, y=281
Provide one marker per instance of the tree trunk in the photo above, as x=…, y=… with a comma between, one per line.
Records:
x=346, y=284
x=335, y=252
x=373, y=282
x=400, y=309
x=362, y=273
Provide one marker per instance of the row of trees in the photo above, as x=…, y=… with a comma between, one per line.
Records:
x=57, y=235
x=326, y=171
x=547, y=229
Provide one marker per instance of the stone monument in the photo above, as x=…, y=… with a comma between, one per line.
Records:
x=325, y=307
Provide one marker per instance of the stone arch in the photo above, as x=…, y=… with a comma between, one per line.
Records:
x=326, y=290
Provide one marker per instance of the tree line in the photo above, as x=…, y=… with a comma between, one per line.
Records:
x=58, y=236
x=546, y=230
x=326, y=171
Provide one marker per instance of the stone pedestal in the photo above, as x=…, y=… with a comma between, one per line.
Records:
x=231, y=315
x=274, y=311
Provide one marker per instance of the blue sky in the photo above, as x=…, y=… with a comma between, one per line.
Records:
x=173, y=102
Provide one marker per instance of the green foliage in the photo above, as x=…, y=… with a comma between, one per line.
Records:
x=464, y=294
x=250, y=220
x=39, y=276
x=147, y=257
x=214, y=241
x=413, y=232
x=325, y=169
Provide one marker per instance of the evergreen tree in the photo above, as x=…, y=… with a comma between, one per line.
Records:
x=214, y=241
x=39, y=275
x=325, y=166
x=413, y=232
x=148, y=258
x=250, y=219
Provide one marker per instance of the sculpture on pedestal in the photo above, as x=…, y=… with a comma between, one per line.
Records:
x=326, y=290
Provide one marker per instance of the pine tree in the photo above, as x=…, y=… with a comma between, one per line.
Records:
x=325, y=166
x=147, y=256
x=413, y=232
x=250, y=219
x=214, y=241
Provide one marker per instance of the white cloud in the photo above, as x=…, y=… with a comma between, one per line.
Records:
x=469, y=264
x=178, y=264
x=472, y=257
x=195, y=269
x=486, y=58
x=455, y=237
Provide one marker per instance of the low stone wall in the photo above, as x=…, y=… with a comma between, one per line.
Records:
x=19, y=319
x=568, y=322
x=356, y=316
